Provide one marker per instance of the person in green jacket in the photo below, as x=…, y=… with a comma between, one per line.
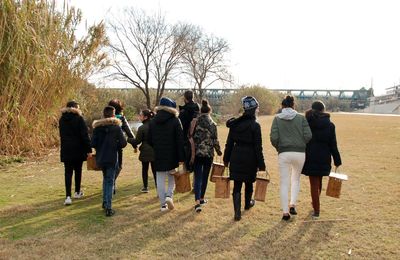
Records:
x=146, y=155
x=290, y=134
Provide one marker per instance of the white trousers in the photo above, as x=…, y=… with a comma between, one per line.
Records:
x=161, y=177
x=290, y=166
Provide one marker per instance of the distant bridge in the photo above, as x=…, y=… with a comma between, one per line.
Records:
x=357, y=98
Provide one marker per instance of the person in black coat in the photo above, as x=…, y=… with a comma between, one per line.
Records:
x=319, y=151
x=75, y=147
x=244, y=153
x=187, y=113
x=108, y=139
x=119, y=113
x=166, y=138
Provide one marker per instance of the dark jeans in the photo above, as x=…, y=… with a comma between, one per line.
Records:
x=237, y=187
x=145, y=175
x=108, y=183
x=119, y=168
x=202, y=166
x=316, y=187
x=70, y=167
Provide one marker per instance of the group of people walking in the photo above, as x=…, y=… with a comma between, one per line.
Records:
x=187, y=137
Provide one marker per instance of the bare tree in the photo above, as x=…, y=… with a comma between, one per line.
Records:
x=145, y=50
x=169, y=55
x=204, y=60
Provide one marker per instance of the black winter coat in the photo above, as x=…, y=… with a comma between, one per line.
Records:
x=322, y=146
x=243, y=149
x=146, y=151
x=108, y=139
x=75, y=142
x=186, y=114
x=166, y=138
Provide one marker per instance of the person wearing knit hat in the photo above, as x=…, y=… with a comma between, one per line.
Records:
x=244, y=154
x=167, y=102
x=166, y=138
x=249, y=102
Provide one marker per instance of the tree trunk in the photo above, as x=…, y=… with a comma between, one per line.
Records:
x=148, y=101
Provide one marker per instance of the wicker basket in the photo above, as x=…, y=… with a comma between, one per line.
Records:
x=262, y=181
x=182, y=182
x=91, y=164
x=222, y=187
x=216, y=170
x=335, y=184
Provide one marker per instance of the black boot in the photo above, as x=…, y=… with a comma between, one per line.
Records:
x=248, y=202
x=236, y=205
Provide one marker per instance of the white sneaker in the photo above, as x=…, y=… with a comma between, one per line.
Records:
x=78, y=195
x=68, y=201
x=170, y=203
x=164, y=208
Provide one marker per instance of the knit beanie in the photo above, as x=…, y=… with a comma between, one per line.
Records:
x=164, y=101
x=249, y=102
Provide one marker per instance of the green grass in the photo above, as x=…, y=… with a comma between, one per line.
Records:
x=34, y=223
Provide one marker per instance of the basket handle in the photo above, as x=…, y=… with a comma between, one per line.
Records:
x=267, y=177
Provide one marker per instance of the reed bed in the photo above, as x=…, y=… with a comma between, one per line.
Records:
x=42, y=63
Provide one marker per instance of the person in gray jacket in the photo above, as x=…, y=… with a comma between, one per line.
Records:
x=290, y=134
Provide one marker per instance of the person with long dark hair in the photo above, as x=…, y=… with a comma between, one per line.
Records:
x=244, y=154
x=75, y=147
x=146, y=155
x=205, y=137
x=289, y=135
x=119, y=113
x=319, y=151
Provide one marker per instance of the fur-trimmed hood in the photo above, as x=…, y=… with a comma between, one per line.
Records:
x=170, y=110
x=107, y=121
x=164, y=113
x=71, y=110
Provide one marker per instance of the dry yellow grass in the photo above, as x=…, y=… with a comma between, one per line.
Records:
x=34, y=224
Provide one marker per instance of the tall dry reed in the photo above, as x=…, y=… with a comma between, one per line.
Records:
x=42, y=63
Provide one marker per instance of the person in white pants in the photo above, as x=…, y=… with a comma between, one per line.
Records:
x=290, y=133
x=290, y=166
x=166, y=138
x=165, y=196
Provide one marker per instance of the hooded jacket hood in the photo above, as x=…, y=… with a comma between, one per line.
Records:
x=163, y=113
x=318, y=120
x=287, y=114
x=240, y=124
x=67, y=113
x=106, y=122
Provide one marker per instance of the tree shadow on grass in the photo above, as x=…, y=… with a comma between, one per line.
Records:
x=301, y=237
x=23, y=221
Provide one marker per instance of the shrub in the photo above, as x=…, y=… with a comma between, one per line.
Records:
x=269, y=101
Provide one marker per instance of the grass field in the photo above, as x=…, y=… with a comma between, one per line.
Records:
x=363, y=223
